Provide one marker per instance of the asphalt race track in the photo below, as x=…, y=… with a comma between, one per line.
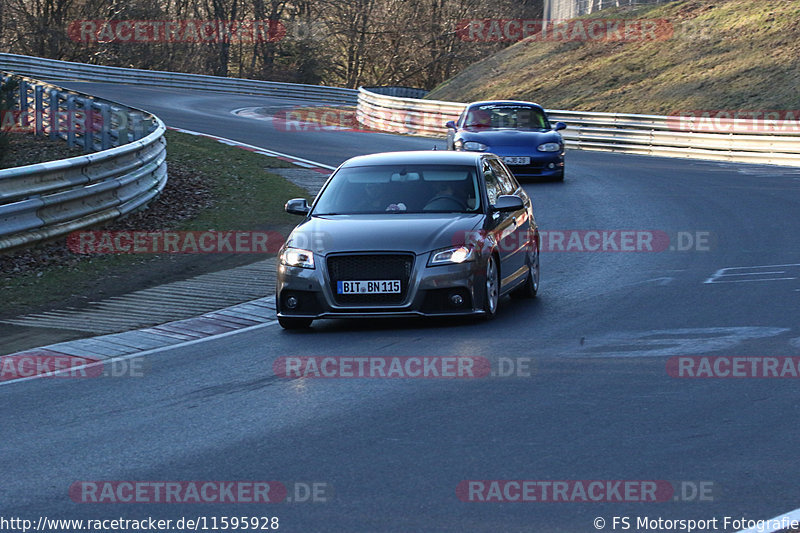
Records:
x=599, y=403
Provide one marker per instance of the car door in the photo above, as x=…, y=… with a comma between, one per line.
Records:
x=503, y=225
x=518, y=241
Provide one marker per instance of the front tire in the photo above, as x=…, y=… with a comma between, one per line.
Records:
x=294, y=323
x=492, y=289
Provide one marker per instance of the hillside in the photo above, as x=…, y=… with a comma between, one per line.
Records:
x=722, y=54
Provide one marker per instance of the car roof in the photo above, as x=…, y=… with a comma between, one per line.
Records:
x=416, y=157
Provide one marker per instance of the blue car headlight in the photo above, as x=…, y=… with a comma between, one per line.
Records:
x=472, y=146
x=550, y=147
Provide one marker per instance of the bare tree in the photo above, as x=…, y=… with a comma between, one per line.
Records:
x=335, y=42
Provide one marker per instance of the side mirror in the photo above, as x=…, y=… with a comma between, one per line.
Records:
x=297, y=206
x=450, y=124
x=560, y=126
x=508, y=202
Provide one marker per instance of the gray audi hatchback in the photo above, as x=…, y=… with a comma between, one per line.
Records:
x=426, y=233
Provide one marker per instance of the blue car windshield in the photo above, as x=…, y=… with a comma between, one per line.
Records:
x=400, y=189
x=498, y=116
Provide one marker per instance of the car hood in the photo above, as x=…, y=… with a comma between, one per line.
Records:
x=510, y=138
x=418, y=233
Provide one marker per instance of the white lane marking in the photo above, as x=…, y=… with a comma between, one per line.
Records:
x=796, y=341
x=669, y=342
x=779, y=523
x=761, y=273
x=250, y=112
x=143, y=353
x=758, y=273
x=258, y=149
x=666, y=280
x=750, y=280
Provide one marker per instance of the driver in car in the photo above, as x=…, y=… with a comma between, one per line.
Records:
x=375, y=199
x=479, y=118
x=446, y=198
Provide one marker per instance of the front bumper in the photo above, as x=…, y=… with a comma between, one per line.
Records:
x=542, y=164
x=428, y=293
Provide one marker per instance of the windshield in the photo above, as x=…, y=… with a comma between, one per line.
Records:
x=506, y=116
x=400, y=189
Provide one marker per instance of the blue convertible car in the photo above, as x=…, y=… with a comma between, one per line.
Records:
x=519, y=132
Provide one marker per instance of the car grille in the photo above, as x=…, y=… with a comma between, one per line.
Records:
x=534, y=168
x=370, y=267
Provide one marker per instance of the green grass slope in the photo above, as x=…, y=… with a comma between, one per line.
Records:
x=723, y=54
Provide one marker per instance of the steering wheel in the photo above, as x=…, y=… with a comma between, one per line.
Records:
x=445, y=203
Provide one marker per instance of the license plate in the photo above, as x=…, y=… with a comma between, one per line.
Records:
x=368, y=287
x=517, y=160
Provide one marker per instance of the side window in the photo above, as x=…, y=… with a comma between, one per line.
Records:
x=460, y=121
x=507, y=182
x=493, y=189
x=541, y=121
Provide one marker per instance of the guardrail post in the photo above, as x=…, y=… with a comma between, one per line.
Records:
x=38, y=110
x=53, y=113
x=88, y=125
x=105, y=126
x=122, y=126
x=70, y=120
x=23, y=103
x=23, y=95
x=137, y=125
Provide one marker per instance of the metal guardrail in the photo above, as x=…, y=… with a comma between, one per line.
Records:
x=615, y=132
x=403, y=92
x=405, y=115
x=47, y=200
x=53, y=70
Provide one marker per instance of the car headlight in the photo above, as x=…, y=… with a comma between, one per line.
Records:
x=550, y=147
x=474, y=146
x=452, y=256
x=297, y=257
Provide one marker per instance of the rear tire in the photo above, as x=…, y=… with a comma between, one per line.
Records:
x=294, y=323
